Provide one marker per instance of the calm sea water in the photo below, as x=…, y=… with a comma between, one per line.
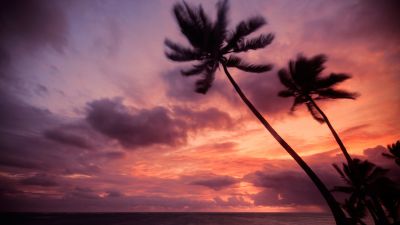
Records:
x=166, y=219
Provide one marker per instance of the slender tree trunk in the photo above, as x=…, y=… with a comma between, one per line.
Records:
x=337, y=212
x=337, y=138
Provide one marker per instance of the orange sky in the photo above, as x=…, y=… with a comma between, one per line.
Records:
x=95, y=118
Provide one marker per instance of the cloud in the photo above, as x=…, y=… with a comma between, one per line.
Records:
x=29, y=26
x=42, y=180
x=135, y=128
x=212, y=118
x=376, y=21
x=33, y=23
x=68, y=138
x=286, y=188
x=284, y=184
x=262, y=90
x=215, y=182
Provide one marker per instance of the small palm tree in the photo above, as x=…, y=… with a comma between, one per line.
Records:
x=394, y=150
x=305, y=83
x=367, y=185
x=213, y=46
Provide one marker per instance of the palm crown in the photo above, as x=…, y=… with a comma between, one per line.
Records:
x=394, y=150
x=304, y=81
x=366, y=180
x=211, y=42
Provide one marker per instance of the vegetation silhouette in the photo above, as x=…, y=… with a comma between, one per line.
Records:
x=212, y=46
x=305, y=83
x=368, y=187
x=394, y=150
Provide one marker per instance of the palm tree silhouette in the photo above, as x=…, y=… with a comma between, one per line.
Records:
x=212, y=46
x=394, y=150
x=367, y=185
x=304, y=82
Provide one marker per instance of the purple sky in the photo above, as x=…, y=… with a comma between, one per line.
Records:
x=93, y=117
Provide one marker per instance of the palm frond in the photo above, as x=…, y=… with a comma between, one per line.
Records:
x=317, y=63
x=388, y=155
x=254, y=43
x=204, y=84
x=178, y=52
x=330, y=93
x=219, y=30
x=395, y=149
x=314, y=112
x=193, y=22
x=285, y=79
x=195, y=70
x=343, y=189
x=298, y=100
x=331, y=80
x=286, y=93
x=342, y=175
x=237, y=62
x=304, y=71
x=243, y=29
x=377, y=173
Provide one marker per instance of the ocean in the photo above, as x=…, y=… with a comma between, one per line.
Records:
x=166, y=219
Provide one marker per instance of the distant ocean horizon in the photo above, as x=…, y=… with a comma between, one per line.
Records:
x=167, y=218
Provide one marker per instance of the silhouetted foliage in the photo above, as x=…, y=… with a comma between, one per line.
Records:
x=304, y=81
x=394, y=150
x=211, y=42
x=368, y=186
x=211, y=46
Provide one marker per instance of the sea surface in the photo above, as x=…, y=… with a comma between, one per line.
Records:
x=166, y=219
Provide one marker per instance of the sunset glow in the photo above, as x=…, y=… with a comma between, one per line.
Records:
x=94, y=117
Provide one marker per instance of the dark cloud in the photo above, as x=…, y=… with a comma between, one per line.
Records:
x=81, y=168
x=68, y=138
x=292, y=187
x=114, y=194
x=209, y=118
x=145, y=127
x=365, y=20
x=32, y=23
x=114, y=155
x=286, y=188
x=28, y=26
x=262, y=90
x=375, y=155
x=82, y=193
x=26, y=150
x=213, y=181
x=39, y=180
x=232, y=201
x=135, y=128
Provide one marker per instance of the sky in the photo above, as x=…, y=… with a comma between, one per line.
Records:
x=94, y=117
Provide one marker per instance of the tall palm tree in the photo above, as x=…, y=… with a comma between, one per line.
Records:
x=394, y=150
x=367, y=185
x=305, y=83
x=213, y=46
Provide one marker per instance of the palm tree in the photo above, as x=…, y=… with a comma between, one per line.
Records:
x=394, y=150
x=212, y=46
x=304, y=82
x=368, y=187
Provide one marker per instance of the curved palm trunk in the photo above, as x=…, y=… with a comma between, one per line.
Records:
x=338, y=214
x=337, y=138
